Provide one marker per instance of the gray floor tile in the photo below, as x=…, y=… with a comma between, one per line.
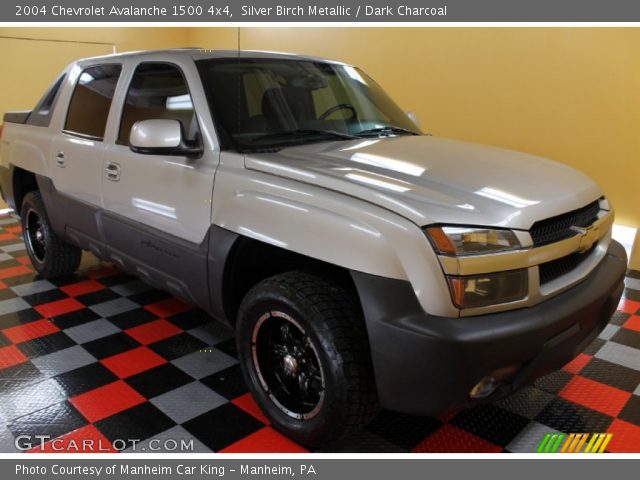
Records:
x=14, y=247
x=91, y=331
x=5, y=256
x=7, y=441
x=212, y=333
x=201, y=364
x=33, y=287
x=621, y=354
x=175, y=440
x=8, y=221
x=608, y=332
x=188, y=401
x=114, y=307
x=13, y=305
x=131, y=288
x=63, y=361
x=528, y=440
x=632, y=283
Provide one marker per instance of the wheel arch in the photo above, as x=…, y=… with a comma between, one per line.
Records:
x=237, y=263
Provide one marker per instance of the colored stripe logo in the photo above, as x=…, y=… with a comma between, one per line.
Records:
x=574, y=443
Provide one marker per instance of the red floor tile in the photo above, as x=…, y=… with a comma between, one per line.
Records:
x=10, y=356
x=626, y=437
x=87, y=439
x=154, y=331
x=577, y=364
x=14, y=271
x=106, y=401
x=59, y=307
x=14, y=229
x=168, y=307
x=265, y=440
x=3, y=285
x=31, y=330
x=24, y=260
x=455, y=440
x=6, y=236
x=249, y=405
x=595, y=395
x=82, y=288
x=133, y=361
x=633, y=323
x=628, y=306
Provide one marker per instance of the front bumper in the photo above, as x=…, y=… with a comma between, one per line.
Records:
x=428, y=365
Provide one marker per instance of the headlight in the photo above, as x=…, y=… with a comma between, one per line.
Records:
x=489, y=289
x=471, y=241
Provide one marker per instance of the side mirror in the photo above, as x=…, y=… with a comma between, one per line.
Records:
x=413, y=116
x=161, y=137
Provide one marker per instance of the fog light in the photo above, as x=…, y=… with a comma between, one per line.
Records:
x=489, y=289
x=484, y=387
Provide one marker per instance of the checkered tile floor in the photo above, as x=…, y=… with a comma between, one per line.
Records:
x=101, y=356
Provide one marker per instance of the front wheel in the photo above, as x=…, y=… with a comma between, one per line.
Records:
x=304, y=352
x=49, y=254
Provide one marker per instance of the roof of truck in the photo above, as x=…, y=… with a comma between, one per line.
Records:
x=206, y=53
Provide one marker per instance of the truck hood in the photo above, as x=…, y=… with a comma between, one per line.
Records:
x=435, y=180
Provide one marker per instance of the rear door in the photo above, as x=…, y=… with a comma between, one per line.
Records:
x=157, y=208
x=77, y=151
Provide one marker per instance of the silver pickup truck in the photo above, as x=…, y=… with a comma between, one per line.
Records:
x=363, y=263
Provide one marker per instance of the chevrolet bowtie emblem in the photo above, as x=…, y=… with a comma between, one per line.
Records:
x=588, y=236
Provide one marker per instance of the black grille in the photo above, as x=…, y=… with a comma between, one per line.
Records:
x=558, y=228
x=556, y=268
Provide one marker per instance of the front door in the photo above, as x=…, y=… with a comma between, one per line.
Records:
x=157, y=208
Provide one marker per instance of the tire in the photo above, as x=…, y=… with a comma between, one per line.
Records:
x=304, y=352
x=49, y=254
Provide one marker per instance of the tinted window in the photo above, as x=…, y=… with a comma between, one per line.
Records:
x=91, y=100
x=158, y=90
x=262, y=104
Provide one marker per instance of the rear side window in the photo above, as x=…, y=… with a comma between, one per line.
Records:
x=41, y=114
x=158, y=90
x=91, y=101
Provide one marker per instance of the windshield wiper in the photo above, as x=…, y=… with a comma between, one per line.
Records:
x=386, y=130
x=302, y=132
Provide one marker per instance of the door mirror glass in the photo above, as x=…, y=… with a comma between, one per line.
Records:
x=413, y=116
x=160, y=137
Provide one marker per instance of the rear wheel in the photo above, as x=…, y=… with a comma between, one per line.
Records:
x=49, y=254
x=303, y=349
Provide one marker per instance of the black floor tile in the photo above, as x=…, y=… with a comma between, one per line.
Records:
x=47, y=296
x=19, y=318
x=149, y=297
x=132, y=318
x=627, y=337
x=85, y=378
x=569, y=417
x=99, y=296
x=491, y=423
x=19, y=376
x=111, y=345
x=402, y=429
x=222, y=426
x=190, y=319
x=52, y=421
x=177, y=346
x=159, y=380
x=138, y=423
x=229, y=382
x=554, y=382
x=45, y=345
x=73, y=319
x=612, y=374
x=631, y=411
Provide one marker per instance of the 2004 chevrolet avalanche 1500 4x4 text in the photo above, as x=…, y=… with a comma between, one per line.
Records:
x=362, y=263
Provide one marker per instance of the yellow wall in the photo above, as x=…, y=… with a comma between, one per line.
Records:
x=33, y=57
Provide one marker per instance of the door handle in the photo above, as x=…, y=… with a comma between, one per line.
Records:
x=113, y=171
x=60, y=160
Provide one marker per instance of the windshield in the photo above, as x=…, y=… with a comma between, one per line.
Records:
x=266, y=104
